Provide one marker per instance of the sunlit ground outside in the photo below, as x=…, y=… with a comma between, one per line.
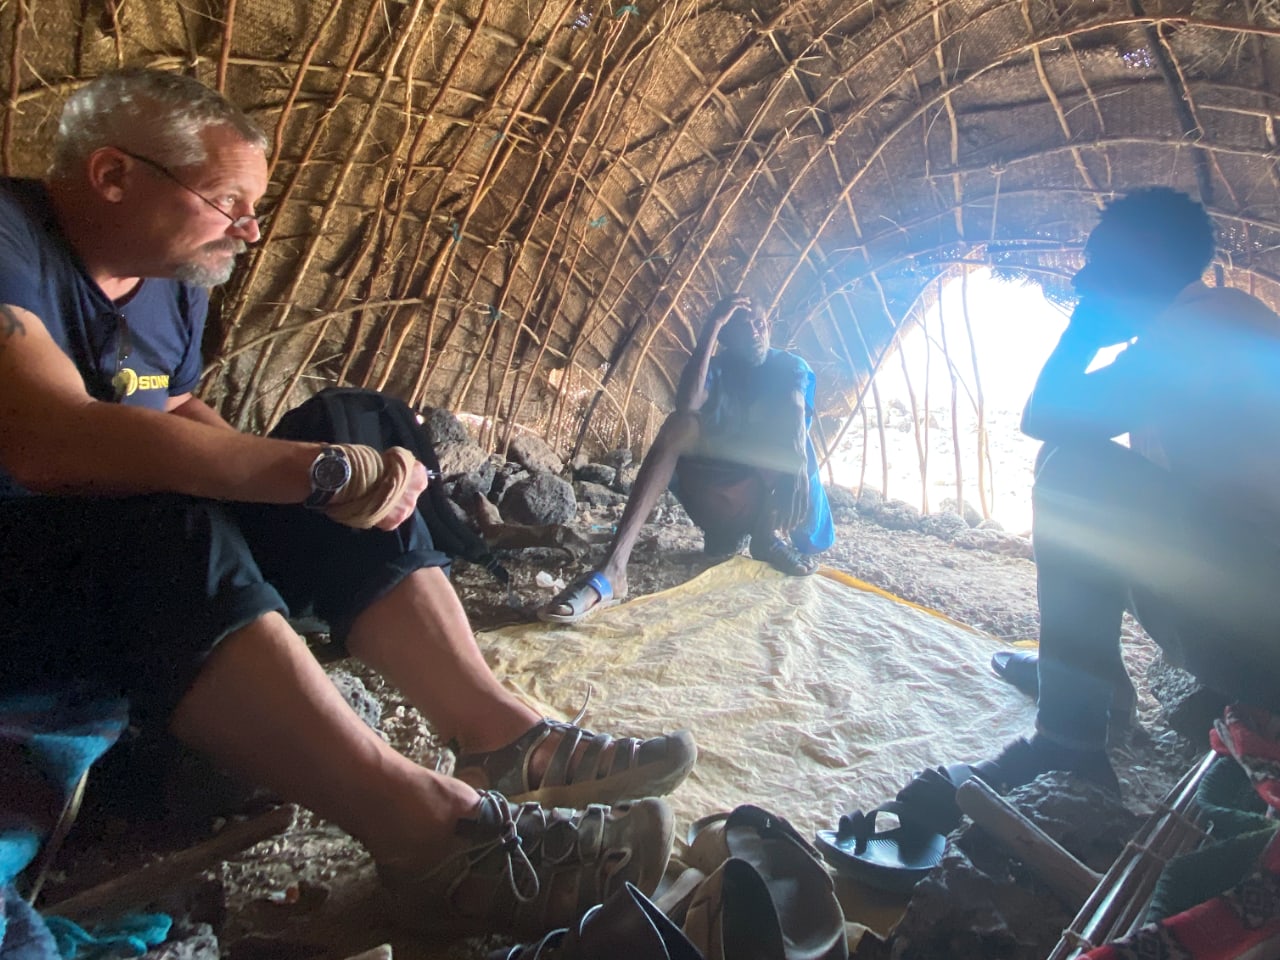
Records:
x=1011, y=329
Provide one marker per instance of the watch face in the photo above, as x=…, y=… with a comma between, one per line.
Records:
x=330, y=472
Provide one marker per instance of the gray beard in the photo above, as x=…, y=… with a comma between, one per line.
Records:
x=199, y=273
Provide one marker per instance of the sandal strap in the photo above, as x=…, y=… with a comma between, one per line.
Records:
x=565, y=769
x=600, y=584
x=768, y=824
x=557, y=771
x=496, y=810
x=507, y=769
x=861, y=827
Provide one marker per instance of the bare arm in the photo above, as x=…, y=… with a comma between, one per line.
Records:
x=692, y=391
x=1068, y=403
x=55, y=438
x=193, y=408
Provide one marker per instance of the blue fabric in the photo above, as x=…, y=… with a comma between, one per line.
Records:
x=600, y=584
x=130, y=936
x=23, y=935
x=40, y=273
x=817, y=532
x=737, y=394
x=46, y=745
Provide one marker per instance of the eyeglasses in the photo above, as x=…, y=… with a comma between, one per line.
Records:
x=123, y=381
x=238, y=222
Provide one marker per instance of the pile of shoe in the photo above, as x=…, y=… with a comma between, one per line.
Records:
x=754, y=890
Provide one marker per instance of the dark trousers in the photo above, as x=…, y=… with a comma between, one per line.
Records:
x=1113, y=531
x=127, y=597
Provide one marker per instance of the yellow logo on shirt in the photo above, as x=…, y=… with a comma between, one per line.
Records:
x=127, y=382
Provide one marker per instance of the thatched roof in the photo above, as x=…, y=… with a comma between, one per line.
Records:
x=524, y=209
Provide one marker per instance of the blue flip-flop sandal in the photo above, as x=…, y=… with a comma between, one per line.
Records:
x=584, y=596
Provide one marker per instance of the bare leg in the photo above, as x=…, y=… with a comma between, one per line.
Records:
x=263, y=708
x=418, y=637
x=677, y=436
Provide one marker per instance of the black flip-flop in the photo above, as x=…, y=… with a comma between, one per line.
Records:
x=782, y=556
x=894, y=860
x=1018, y=668
x=898, y=859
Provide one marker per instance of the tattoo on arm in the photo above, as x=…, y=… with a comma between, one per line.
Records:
x=10, y=325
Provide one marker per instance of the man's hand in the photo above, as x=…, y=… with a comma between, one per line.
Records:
x=725, y=309
x=1105, y=321
x=382, y=489
x=408, y=501
x=790, y=501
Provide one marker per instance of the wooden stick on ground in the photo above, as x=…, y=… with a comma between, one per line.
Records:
x=1064, y=874
x=377, y=953
x=145, y=885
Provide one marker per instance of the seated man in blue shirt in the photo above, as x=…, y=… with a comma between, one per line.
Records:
x=737, y=454
x=152, y=553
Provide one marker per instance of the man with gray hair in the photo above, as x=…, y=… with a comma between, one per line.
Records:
x=151, y=551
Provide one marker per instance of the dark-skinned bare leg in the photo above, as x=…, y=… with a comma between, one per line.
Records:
x=678, y=435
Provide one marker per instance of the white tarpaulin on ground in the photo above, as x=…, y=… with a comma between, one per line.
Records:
x=807, y=696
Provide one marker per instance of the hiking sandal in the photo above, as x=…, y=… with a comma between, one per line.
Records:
x=585, y=767
x=523, y=869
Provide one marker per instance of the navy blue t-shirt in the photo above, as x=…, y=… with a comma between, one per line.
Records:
x=152, y=356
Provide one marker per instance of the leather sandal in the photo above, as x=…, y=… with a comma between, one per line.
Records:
x=585, y=767
x=766, y=892
x=524, y=869
x=733, y=917
x=627, y=926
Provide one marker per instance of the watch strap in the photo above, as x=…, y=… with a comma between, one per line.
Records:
x=329, y=465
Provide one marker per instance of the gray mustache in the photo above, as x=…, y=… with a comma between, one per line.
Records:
x=228, y=245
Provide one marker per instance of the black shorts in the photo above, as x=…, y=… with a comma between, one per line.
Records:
x=724, y=499
x=127, y=597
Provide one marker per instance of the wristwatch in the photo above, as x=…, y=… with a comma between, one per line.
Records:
x=330, y=472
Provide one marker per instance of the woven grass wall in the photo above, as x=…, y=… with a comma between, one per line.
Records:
x=524, y=209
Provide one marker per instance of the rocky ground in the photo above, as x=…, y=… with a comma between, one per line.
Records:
x=260, y=903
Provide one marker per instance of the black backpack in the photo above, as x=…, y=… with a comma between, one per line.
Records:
x=353, y=415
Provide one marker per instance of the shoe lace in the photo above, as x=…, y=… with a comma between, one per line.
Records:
x=582, y=711
x=518, y=870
